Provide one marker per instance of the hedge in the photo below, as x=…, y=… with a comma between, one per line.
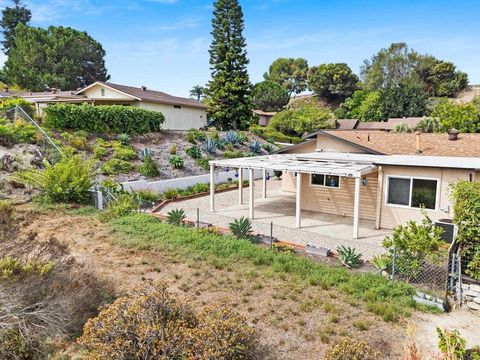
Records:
x=103, y=118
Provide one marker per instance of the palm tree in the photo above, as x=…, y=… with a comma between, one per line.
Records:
x=197, y=92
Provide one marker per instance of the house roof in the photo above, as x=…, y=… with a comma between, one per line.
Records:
x=436, y=144
x=148, y=95
x=346, y=124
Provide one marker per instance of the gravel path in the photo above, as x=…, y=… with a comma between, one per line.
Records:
x=227, y=209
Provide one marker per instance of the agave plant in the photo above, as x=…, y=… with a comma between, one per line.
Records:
x=231, y=137
x=176, y=216
x=145, y=153
x=176, y=162
x=349, y=256
x=209, y=146
x=255, y=146
x=241, y=228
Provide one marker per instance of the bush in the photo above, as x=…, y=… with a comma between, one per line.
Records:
x=173, y=149
x=170, y=194
x=194, y=135
x=413, y=244
x=451, y=344
x=66, y=181
x=194, y=152
x=103, y=118
x=269, y=134
x=350, y=349
x=116, y=166
x=176, y=162
x=209, y=146
x=124, y=139
x=148, y=324
x=122, y=205
x=303, y=120
x=123, y=152
x=402, y=128
x=148, y=195
x=12, y=267
x=76, y=140
x=233, y=154
x=203, y=162
x=463, y=117
x=176, y=216
x=428, y=125
x=149, y=168
x=19, y=131
x=255, y=146
x=241, y=228
x=10, y=103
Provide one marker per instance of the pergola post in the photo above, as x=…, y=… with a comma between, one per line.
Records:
x=240, y=186
x=264, y=183
x=251, y=185
x=212, y=188
x=298, y=201
x=356, y=208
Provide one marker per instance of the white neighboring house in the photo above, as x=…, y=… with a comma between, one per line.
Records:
x=180, y=113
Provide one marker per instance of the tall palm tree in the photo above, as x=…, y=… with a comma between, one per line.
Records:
x=197, y=92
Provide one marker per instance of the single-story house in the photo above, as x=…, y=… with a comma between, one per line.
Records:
x=264, y=117
x=180, y=113
x=380, y=176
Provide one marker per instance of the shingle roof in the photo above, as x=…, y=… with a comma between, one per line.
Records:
x=467, y=145
x=153, y=95
x=346, y=124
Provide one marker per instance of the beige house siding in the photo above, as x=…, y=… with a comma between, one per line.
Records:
x=177, y=119
x=306, y=147
x=392, y=215
x=95, y=92
x=329, y=144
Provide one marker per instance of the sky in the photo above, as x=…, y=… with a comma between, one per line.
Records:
x=163, y=44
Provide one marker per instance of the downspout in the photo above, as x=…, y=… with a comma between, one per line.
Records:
x=379, y=198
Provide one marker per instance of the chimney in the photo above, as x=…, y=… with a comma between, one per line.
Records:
x=144, y=88
x=453, y=134
x=417, y=143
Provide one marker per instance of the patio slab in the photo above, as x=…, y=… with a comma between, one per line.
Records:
x=317, y=229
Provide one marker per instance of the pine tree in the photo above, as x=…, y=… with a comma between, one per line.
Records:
x=229, y=88
x=11, y=17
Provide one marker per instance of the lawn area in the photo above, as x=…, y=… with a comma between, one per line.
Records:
x=390, y=300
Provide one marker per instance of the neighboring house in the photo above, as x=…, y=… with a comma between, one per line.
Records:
x=264, y=117
x=180, y=113
x=379, y=176
x=389, y=125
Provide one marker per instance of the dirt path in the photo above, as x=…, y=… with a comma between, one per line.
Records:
x=295, y=320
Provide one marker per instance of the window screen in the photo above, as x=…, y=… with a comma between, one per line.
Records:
x=318, y=179
x=424, y=193
x=332, y=181
x=399, y=191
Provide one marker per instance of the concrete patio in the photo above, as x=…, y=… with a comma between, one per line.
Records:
x=318, y=229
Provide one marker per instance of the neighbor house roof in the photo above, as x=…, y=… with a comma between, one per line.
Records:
x=436, y=144
x=346, y=124
x=144, y=94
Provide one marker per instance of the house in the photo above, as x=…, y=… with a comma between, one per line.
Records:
x=389, y=125
x=264, y=117
x=180, y=113
x=386, y=178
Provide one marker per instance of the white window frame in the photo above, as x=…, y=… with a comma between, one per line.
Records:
x=102, y=92
x=325, y=180
x=409, y=206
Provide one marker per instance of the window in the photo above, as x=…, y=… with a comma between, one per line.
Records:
x=325, y=180
x=102, y=92
x=177, y=106
x=412, y=192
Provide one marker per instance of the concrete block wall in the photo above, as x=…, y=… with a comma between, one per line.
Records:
x=471, y=296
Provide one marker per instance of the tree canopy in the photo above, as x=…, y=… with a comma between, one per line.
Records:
x=229, y=88
x=269, y=96
x=289, y=73
x=332, y=81
x=59, y=57
x=11, y=17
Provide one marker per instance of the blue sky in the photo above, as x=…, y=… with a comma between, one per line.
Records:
x=163, y=44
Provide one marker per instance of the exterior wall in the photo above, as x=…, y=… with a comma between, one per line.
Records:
x=95, y=93
x=392, y=215
x=306, y=147
x=329, y=144
x=177, y=119
x=339, y=201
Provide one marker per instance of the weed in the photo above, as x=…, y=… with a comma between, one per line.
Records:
x=173, y=149
x=149, y=168
x=360, y=324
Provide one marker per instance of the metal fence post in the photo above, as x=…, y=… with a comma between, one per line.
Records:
x=459, y=280
x=198, y=218
x=394, y=258
x=271, y=234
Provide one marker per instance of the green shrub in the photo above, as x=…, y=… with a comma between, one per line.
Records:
x=176, y=216
x=463, y=117
x=6, y=213
x=241, y=228
x=123, y=152
x=255, y=146
x=402, y=128
x=122, y=205
x=11, y=267
x=103, y=118
x=10, y=103
x=303, y=120
x=428, y=125
x=349, y=256
x=170, y=194
x=203, y=162
x=100, y=151
x=451, y=344
x=194, y=135
x=18, y=131
x=465, y=196
x=124, y=139
x=176, y=162
x=66, y=181
x=148, y=195
x=210, y=146
x=267, y=147
x=148, y=323
x=76, y=140
x=116, y=166
x=149, y=168
x=194, y=152
x=233, y=154
x=350, y=349
x=269, y=134
x=381, y=262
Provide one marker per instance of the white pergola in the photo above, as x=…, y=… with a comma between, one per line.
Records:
x=296, y=164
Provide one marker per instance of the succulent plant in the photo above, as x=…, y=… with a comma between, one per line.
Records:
x=210, y=146
x=194, y=152
x=176, y=162
x=145, y=153
x=176, y=216
x=231, y=137
x=255, y=146
x=241, y=228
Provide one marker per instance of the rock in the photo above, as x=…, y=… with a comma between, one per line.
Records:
x=6, y=162
x=475, y=288
x=476, y=300
x=472, y=293
x=472, y=305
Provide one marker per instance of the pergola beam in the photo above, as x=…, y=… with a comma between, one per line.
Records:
x=240, y=186
x=212, y=188
x=264, y=183
x=251, y=189
x=298, y=201
x=356, y=209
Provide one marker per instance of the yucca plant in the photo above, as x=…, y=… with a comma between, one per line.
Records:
x=349, y=256
x=144, y=153
x=194, y=152
x=210, y=146
x=255, y=146
x=241, y=228
x=176, y=216
x=231, y=137
x=124, y=139
x=176, y=162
